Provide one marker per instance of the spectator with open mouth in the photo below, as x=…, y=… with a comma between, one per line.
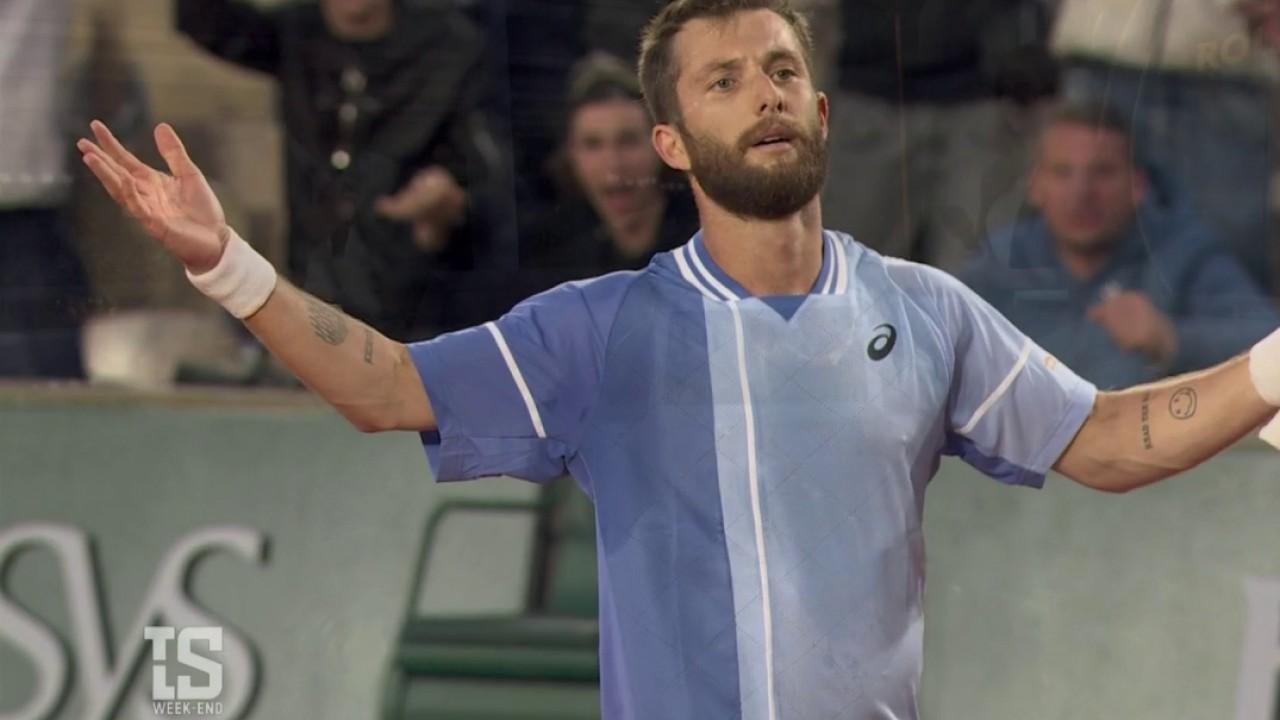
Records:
x=619, y=205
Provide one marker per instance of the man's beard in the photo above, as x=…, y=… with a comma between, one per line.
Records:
x=763, y=192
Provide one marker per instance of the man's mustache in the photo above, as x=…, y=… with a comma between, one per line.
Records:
x=769, y=127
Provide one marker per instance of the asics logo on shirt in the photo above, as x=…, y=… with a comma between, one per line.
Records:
x=882, y=344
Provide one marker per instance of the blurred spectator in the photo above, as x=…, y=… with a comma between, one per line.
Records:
x=394, y=179
x=43, y=287
x=535, y=44
x=1114, y=275
x=928, y=113
x=1196, y=80
x=619, y=204
x=532, y=45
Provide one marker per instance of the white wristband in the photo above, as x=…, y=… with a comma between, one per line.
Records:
x=242, y=280
x=1264, y=368
x=1271, y=432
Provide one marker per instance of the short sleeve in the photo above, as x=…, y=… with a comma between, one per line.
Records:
x=1012, y=408
x=511, y=396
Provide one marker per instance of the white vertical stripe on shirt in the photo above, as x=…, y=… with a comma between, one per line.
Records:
x=516, y=375
x=690, y=277
x=842, y=270
x=719, y=286
x=999, y=392
x=829, y=249
x=753, y=481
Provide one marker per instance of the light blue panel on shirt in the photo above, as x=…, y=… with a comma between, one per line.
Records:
x=735, y=499
x=839, y=438
x=1014, y=408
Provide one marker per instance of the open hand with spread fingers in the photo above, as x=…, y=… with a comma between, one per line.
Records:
x=177, y=208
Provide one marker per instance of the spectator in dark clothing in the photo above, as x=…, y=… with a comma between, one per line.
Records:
x=1114, y=275
x=930, y=100
x=532, y=46
x=394, y=179
x=43, y=286
x=535, y=43
x=619, y=204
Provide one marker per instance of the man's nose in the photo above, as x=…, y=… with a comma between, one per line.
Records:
x=1077, y=184
x=769, y=97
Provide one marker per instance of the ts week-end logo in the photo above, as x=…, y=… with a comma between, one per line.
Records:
x=197, y=667
x=188, y=697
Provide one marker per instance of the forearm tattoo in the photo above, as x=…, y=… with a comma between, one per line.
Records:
x=327, y=322
x=1146, y=420
x=368, y=346
x=1183, y=403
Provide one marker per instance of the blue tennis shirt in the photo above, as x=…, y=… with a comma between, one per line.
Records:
x=758, y=465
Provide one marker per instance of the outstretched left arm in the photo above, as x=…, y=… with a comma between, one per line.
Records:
x=1146, y=433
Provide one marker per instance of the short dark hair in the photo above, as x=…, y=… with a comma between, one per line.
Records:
x=1098, y=116
x=658, y=71
x=1090, y=114
x=599, y=77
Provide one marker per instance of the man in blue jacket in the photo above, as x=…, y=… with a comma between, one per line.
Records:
x=1113, y=274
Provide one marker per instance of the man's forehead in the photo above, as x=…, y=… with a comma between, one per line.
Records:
x=704, y=43
x=1070, y=139
x=1071, y=132
x=611, y=113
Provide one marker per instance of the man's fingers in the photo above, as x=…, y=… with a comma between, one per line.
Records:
x=122, y=187
x=396, y=207
x=173, y=152
x=106, y=174
x=113, y=149
x=87, y=148
x=119, y=185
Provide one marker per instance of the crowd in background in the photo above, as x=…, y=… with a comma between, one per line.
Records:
x=1099, y=170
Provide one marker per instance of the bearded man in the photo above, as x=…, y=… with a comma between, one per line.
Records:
x=755, y=415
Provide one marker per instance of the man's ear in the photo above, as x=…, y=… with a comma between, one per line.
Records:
x=1138, y=185
x=1035, y=190
x=824, y=111
x=669, y=144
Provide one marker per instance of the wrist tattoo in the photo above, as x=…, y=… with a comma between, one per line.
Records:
x=326, y=322
x=368, y=346
x=1183, y=403
x=1146, y=420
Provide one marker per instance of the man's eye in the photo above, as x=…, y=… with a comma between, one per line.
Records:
x=723, y=84
x=785, y=74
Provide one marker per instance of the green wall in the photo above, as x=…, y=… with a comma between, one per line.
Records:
x=342, y=512
x=1068, y=603
x=1061, y=603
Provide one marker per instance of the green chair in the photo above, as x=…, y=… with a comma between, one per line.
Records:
x=541, y=664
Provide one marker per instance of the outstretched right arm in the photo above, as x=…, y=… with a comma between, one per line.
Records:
x=366, y=376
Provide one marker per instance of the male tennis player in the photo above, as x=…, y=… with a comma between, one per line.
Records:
x=755, y=415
